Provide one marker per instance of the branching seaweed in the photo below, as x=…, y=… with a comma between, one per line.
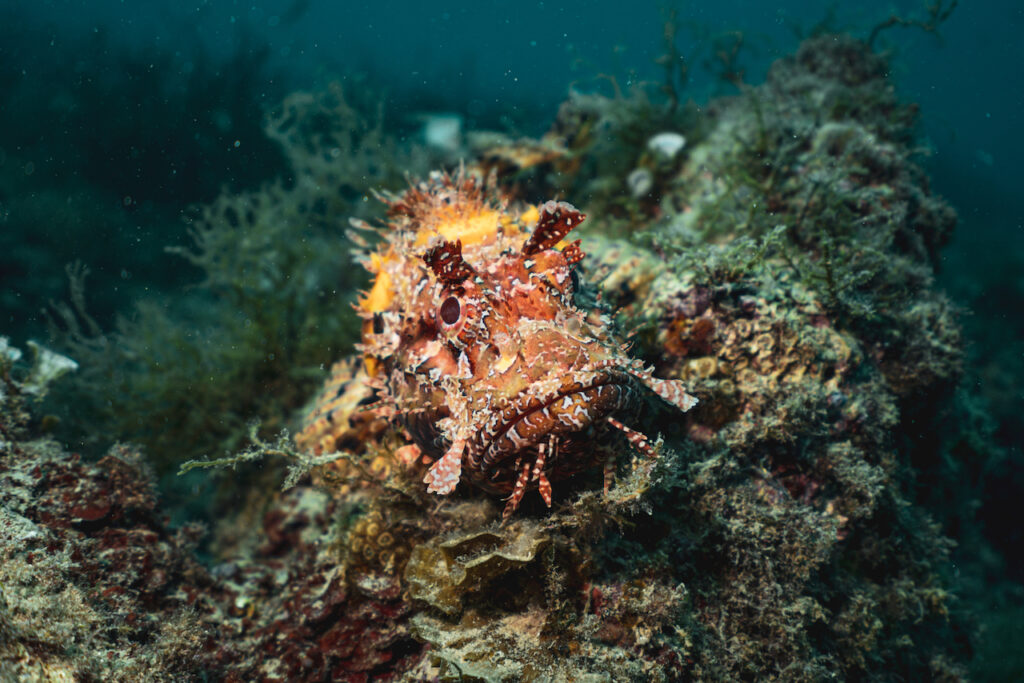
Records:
x=300, y=463
x=725, y=64
x=717, y=264
x=677, y=69
x=937, y=13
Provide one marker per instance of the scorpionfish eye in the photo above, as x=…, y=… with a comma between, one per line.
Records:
x=450, y=311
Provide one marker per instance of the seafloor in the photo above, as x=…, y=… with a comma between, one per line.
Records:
x=774, y=249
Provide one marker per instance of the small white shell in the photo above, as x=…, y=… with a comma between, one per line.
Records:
x=667, y=144
x=639, y=181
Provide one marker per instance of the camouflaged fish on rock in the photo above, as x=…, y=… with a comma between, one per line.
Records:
x=474, y=344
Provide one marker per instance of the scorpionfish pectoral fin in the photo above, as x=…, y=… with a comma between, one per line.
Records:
x=445, y=473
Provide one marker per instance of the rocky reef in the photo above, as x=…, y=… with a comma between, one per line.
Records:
x=94, y=584
x=775, y=251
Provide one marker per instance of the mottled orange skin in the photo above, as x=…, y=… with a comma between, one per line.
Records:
x=476, y=346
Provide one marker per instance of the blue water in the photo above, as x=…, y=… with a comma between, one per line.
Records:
x=477, y=57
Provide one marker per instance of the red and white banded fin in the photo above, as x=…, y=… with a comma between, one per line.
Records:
x=573, y=253
x=544, y=488
x=543, y=485
x=517, y=492
x=636, y=439
x=555, y=221
x=447, y=263
x=672, y=390
x=538, y=464
x=445, y=473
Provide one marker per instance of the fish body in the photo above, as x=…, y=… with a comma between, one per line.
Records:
x=476, y=346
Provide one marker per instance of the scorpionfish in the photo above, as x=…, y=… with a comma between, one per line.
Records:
x=476, y=346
